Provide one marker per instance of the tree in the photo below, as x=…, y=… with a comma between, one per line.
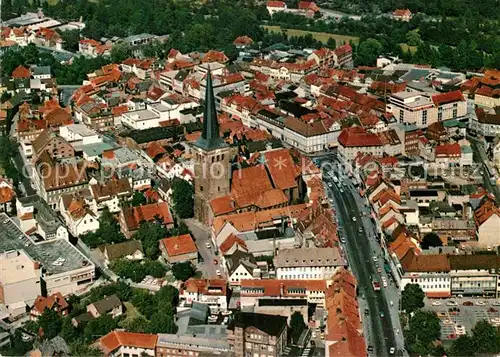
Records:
x=431, y=240
x=183, y=271
x=412, y=298
x=71, y=39
x=99, y=327
x=162, y=321
x=484, y=338
x=138, y=324
x=463, y=346
x=368, y=51
x=120, y=52
x=81, y=349
x=331, y=43
x=108, y=232
x=424, y=329
x=150, y=233
x=50, y=322
x=297, y=325
x=413, y=38
x=144, y=302
x=138, y=199
x=182, y=198
x=168, y=294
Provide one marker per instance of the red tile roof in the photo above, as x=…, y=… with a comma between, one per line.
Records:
x=21, y=72
x=276, y=4
x=134, y=215
x=154, y=149
x=308, y=5
x=230, y=241
x=342, y=50
x=116, y=339
x=425, y=263
x=41, y=303
x=358, y=137
x=248, y=184
x=179, y=245
x=450, y=97
x=279, y=287
x=282, y=168
x=448, y=150
x=215, y=56
x=206, y=286
x=401, y=12
x=242, y=40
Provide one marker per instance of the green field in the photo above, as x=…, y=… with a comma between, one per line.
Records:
x=407, y=48
x=320, y=36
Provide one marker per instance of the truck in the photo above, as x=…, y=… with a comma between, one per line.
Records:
x=376, y=285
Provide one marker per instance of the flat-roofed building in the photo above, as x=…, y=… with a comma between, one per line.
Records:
x=181, y=345
x=64, y=268
x=19, y=278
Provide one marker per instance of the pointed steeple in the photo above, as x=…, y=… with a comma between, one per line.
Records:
x=210, y=138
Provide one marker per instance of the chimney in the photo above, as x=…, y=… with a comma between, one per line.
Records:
x=36, y=265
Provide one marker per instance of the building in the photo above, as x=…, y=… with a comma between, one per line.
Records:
x=19, y=280
x=55, y=302
x=110, y=305
x=487, y=218
x=282, y=297
x=131, y=249
x=212, y=292
x=175, y=345
x=212, y=157
x=110, y=194
x=308, y=263
x=402, y=15
x=421, y=109
x=179, y=249
x=78, y=217
x=356, y=139
x=64, y=268
x=251, y=334
x=131, y=217
x=475, y=275
x=127, y=344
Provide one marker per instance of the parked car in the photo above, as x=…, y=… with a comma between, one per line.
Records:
x=452, y=303
x=215, y=261
x=468, y=303
x=480, y=303
x=436, y=303
x=392, y=350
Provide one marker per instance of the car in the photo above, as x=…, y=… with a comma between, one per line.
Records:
x=480, y=303
x=367, y=311
x=384, y=284
x=379, y=270
x=218, y=272
x=375, y=259
x=436, y=303
x=392, y=350
x=207, y=244
x=313, y=334
x=342, y=240
x=354, y=219
x=468, y=303
x=226, y=320
x=382, y=314
x=360, y=230
x=496, y=303
x=215, y=262
x=329, y=184
x=370, y=349
x=452, y=303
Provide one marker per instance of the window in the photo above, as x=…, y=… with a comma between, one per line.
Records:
x=401, y=116
x=201, y=188
x=424, y=117
x=455, y=113
x=440, y=116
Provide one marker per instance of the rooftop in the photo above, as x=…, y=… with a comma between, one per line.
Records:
x=306, y=257
x=56, y=256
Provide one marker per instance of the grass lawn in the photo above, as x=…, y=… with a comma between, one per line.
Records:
x=130, y=313
x=320, y=36
x=407, y=48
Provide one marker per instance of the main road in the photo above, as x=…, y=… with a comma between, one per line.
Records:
x=359, y=232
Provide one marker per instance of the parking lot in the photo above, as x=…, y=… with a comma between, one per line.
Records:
x=459, y=316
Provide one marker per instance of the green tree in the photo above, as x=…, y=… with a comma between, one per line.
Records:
x=68, y=331
x=51, y=323
x=424, y=329
x=412, y=298
x=150, y=233
x=168, y=294
x=71, y=39
x=331, y=43
x=368, y=51
x=99, y=327
x=120, y=52
x=138, y=324
x=79, y=348
x=484, y=338
x=183, y=271
x=182, y=198
x=463, y=346
x=297, y=325
x=138, y=199
x=145, y=302
x=413, y=38
x=163, y=320
x=108, y=232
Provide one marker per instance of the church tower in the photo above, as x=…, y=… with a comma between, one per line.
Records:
x=211, y=155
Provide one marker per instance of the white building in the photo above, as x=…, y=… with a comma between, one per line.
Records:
x=307, y=263
x=79, y=134
x=64, y=268
x=211, y=292
x=78, y=217
x=141, y=119
x=19, y=279
x=126, y=344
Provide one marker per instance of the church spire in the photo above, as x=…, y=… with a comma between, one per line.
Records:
x=210, y=138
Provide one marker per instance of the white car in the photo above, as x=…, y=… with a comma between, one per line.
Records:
x=375, y=259
x=496, y=303
x=480, y=303
x=218, y=272
x=452, y=303
x=392, y=350
x=384, y=281
x=354, y=219
x=207, y=244
x=226, y=320
x=436, y=303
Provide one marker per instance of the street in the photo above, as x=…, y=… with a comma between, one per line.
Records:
x=361, y=245
x=480, y=157
x=202, y=236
